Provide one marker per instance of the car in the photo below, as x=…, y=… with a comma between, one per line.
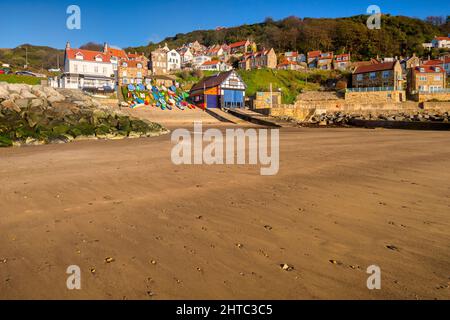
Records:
x=25, y=73
x=2, y=71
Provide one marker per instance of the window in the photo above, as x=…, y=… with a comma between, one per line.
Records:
x=373, y=75
x=437, y=78
x=124, y=64
x=386, y=74
x=139, y=66
x=139, y=74
x=423, y=78
x=124, y=74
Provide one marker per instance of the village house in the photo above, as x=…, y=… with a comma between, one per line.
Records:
x=409, y=63
x=425, y=78
x=223, y=90
x=380, y=75
x=441, y=42
x=215, y=51
x=447, y=65
x=259, y=60
x=242, y=47
x=196, y=47
x=158, y=61
x=87, y=69
x=215, y=66
x=294, y=56
x=173, y=60
x=342, y=61
x=290, y=65
x=312, y=58
x=132, y=71
x=186, y=56
x=199, y=60
x=325, y=61
x=378, y=82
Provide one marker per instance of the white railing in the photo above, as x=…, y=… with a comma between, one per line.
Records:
x=370, y=89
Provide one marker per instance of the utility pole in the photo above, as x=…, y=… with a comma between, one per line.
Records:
x=26, y=58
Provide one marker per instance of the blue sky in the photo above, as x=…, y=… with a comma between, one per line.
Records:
x=44, y=22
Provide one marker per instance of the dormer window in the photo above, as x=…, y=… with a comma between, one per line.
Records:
x=422, y=69
x=139, y=66
x=124, y=64
x=438, y=69
x=99, y=58
x=79, y=56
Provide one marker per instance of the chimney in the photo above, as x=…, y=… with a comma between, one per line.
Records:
x=67, y=45
x=105, y=48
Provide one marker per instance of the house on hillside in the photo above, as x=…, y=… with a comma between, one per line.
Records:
x=199, y=60
x=186, y=56
x=259, y=60
x=409, y=63
x=223, y=90
x=342, y=61
x=173, y=60
x=426, y=78
x=215, y=66
x=325, y=61
x=291, y=65
x=312, y=58
x=242, y=47
x=294, y=56
x=380, y=75
x=158, y=61
x=89, y=70
x=441, y=42
x=132, y=71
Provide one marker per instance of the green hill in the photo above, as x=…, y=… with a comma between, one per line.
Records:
x=398, y=35
x=40, y=58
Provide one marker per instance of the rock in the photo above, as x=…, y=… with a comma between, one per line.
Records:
x=9, y=104
x=4, y=93
x=286, y=267
x=109, y=260
x=26, y=94
x=22, y=103
x=56, y=98
x=17, y=87
x=36, y=103
x=38, y=91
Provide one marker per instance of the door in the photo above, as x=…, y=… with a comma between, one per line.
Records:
x=233, y=99
x=211, y=101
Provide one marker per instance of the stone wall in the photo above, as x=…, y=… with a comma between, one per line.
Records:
x=423, y=97
x=375, y=96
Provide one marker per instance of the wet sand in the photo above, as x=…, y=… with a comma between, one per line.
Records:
x=344, y=199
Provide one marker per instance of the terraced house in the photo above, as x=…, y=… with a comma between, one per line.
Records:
x=387, y=75
x=132, y=71
x=259, y=60
x=427, y=79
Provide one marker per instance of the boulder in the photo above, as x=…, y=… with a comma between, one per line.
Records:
x=9, y=104
x=26, y=94
x=17, y=87
x=4, y=93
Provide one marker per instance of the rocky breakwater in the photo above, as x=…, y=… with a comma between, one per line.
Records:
x=31, y=115
x=341, y=118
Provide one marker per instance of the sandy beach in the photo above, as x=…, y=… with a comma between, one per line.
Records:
x=343, y=200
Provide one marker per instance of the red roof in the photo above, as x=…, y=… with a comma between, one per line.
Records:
x=375, y=67
x=428, y=69
x=117, y=53
x=238, y=44
x=344, y=55
x=433, y=62
x=88, y=55
x=210, y=63
x=287, y=62
x=314, y=54
x=442, y=38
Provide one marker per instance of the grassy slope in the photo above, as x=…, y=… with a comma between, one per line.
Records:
x=11, y=78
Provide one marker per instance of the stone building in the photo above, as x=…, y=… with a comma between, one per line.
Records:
x=259, y=60
x=158, y=61
x=132, y=71
x=387, y=75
